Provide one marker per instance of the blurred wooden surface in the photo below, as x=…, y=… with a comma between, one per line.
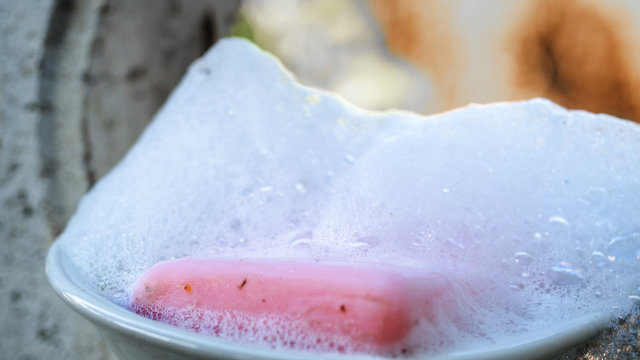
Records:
x=79, y=82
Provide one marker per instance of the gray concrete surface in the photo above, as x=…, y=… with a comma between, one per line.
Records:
x=79, y=80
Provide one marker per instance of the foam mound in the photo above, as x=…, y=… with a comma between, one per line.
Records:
x=530, y=210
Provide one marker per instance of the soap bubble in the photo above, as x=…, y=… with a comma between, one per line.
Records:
x=625, y=248
x=522, y=258
x=565, y=274
x=559, y=220
x=598, y=259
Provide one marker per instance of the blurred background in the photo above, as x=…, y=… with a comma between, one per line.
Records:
x=80, y=79
x=432, y=56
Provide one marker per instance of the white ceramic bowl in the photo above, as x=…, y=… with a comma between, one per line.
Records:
x=134, y=337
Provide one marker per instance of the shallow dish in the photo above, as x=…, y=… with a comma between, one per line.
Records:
x=131, y=336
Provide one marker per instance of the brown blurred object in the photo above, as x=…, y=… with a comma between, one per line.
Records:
x=582, y=54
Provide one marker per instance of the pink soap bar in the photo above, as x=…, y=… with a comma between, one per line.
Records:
x=373, y=307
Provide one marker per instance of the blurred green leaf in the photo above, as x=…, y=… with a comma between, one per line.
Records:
x=242, y=28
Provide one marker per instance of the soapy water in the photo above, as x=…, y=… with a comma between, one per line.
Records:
x=529, y=209
x=237, y=326
x=274, y=332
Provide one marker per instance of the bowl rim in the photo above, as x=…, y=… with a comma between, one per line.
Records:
x=107, y=315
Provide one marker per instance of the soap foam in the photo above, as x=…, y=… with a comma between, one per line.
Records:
x=530, y=209
x=267, y=331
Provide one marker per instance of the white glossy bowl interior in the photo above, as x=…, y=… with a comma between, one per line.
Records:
x=131, y=336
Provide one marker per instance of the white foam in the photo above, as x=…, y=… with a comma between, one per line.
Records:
x=532, y=206
x=267, y=331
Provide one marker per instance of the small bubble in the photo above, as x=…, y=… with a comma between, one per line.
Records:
x=300, y=188
x=365, y=242
x=565, y=274
x=302, y=240
x=349, y=158
x=598, y=259
x=624, y=248
x=266, y=189
x=518, y=286
x=313, y=99
x=359, y=244
x=596, y=192
x=445, y=190
x=559, y=220
x=537, y=235
x=455, y=243
x=522, y=258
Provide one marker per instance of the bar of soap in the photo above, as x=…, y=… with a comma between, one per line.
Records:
x=368, y=307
